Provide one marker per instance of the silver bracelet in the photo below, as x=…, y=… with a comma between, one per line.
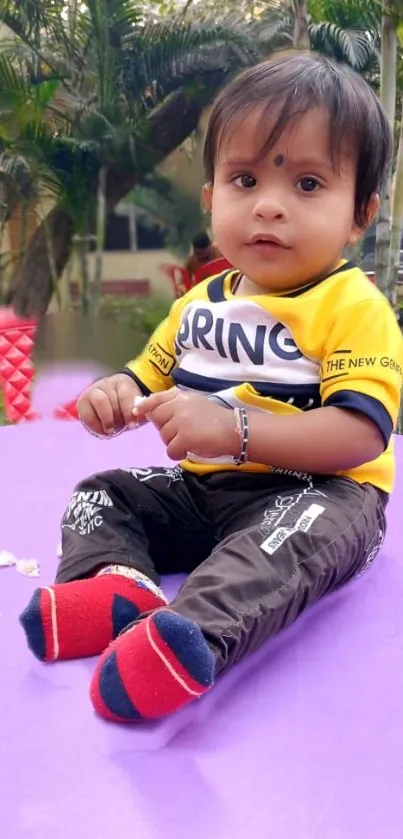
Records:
x=242, y=428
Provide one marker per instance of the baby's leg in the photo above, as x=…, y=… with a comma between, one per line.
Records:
x=119, y=530
x=297, y=545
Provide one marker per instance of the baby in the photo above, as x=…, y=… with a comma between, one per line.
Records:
x=275, y=384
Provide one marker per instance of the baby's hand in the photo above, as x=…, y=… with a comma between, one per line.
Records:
x=106, y=406
x=188, y=422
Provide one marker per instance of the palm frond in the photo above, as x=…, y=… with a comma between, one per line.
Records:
x=355, y=47
x=120, y=16
x=17, y=183
x=11, y=81
x=23, y=102
x=30, y=19
x=354, y=14
x=272, y=31
x=16, y=170
x=163, y=54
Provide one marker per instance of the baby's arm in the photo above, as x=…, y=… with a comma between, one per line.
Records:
x=361, y=381
x=324, y=440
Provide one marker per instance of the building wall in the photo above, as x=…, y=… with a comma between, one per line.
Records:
x=127, y=265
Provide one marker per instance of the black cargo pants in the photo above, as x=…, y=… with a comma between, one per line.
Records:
x=258, y=548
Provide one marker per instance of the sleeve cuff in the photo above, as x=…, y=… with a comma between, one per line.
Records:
x=364, y=404
x=144, y=389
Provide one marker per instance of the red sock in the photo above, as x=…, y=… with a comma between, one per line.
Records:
x=156, y=667
x=79, y=619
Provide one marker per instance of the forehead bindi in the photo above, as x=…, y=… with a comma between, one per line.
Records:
x=305, y=138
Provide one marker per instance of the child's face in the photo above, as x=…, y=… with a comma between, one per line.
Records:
x=301, y=206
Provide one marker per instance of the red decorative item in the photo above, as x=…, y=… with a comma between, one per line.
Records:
x=67, y=412
x=17, y=337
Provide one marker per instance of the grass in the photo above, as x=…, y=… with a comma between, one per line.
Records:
x=141, y=316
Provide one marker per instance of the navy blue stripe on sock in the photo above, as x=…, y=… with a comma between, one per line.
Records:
x=187, y=643
x=111, y=686
x=31, y=622
x=124, y=612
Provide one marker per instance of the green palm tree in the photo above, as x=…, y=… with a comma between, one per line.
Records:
x=103, y=92
x=123, y=91
x=347, y=30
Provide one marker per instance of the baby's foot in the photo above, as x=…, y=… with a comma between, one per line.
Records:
x=154, y=668
x=80, y=618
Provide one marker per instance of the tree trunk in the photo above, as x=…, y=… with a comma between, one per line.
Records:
x=52, y=264
x=169, y=126
x=33, y=286
x=84, y=242
x=96, y=285
x=397, y=225
x=388, y=98
x=300, y=35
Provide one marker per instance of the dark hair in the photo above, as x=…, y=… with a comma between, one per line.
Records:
x=202, y=240
x=291, y=86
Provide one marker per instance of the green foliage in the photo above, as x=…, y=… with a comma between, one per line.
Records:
x=78, y=84
x=347, y=30
x=92, y=97
x=88, y=88
x=141, y=316
x=347, y=14
x=356, y=47
x=247, y=9
x=15, y=183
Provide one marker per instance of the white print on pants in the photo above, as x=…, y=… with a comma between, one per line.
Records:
x=172, y=474
x=273, y=516
x=84, y=513
x=305, y=521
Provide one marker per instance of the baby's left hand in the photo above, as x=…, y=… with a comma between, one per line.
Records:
x=188, y=422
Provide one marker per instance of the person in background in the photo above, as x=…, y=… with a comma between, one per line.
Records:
x=203, y=251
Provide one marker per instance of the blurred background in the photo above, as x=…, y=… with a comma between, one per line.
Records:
x=103, y=109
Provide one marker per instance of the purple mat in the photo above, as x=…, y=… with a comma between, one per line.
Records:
x=303, y=741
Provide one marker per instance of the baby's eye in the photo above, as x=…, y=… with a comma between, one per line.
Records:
x=246, y=181
x=308, y=184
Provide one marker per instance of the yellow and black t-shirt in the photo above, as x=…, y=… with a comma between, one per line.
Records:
x=335, y=342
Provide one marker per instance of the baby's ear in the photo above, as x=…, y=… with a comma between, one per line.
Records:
x=373, y=208
x=371, y=211
x=207, y=196
x=358, y=230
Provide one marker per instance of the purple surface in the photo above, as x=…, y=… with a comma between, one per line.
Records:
x=303, y=741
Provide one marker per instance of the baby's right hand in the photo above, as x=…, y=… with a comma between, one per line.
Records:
x=106, y=406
